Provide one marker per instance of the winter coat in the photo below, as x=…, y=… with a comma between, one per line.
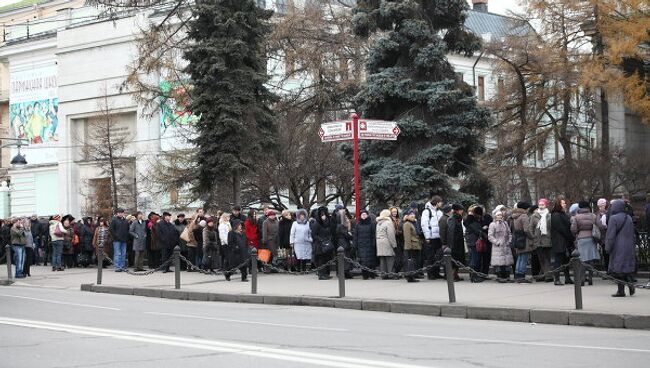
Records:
x=300, y=237
x=500, y=236
x=237, y=250
x=138, y=231
x=520, y=224
x=582, y=224
x=321, y=231
x=102, y=237
x=250, y=229
x=539, y=240
x=620, y=241
x=17, y=236
x=385, y=237
x=119, y=228
x=431, y=221
x=443, y=225
x=86, y=238
x=411, y=237
x=37, y=228
x=365, y=242
x=455, y=239
x=223, y=230
x=270, y=231
x=166, y=235
x=210, y=239
x=561, y=237
x=343, y=235
x=473, y=230
x=53, y=230
x=29, y=239
x=152, y=242
x=284, y=232
x=260, y=230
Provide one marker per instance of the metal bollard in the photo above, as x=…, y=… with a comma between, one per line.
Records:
x=577, y=277
x=8, y=256
x=100, y=263
x=254, y=271
x=449, y=272
x=340, y=263
x=177, y=267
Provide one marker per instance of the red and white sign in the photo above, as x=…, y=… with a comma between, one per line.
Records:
x=336, y=131
x=378, y=130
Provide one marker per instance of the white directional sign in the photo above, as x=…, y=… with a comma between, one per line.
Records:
x=378, y=129
x=336, y=131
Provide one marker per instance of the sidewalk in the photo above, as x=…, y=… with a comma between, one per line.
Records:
x=596, y=298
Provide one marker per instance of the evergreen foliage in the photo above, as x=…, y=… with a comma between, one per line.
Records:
x=409, y=80
x=228, y=71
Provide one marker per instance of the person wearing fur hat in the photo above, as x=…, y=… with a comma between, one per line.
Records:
x=455, y=237
x=301, y=240
x=521, y=241
x=138, y=231
x=167, y=238
x=500, y=236
x=237, y=250
x=210, y=245
x=365, y=242
x=473, y=233
x=386, y=242
x=602, y=217
x=322, y=232
x=539, y=230
x=582, y=227
x=412, y=245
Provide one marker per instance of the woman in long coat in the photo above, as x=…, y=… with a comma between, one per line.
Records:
x=500, y=236
x=522, y=241
x=237, y=250
x=619, y=244
x=210, y=245
x=561, y=239
x=582, y=227
x=365, y=243
x=322, y=233
x=301, y=240
x=386, y=242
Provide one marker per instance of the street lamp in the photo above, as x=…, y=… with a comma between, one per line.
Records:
x=18, y=160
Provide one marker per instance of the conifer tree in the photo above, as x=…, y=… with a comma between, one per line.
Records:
x=409, y=80
x=227, y=67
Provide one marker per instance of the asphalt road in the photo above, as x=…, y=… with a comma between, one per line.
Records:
x=62, y=328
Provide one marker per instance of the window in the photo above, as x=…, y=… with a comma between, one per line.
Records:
x=481, y=88
x=281, y=6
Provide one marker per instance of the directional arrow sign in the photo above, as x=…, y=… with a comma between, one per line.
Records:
x=378, y=130
x=336, y=131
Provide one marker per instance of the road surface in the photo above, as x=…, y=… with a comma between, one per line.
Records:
x=63, y=328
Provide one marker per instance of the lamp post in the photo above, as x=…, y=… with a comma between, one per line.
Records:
x=18, y=160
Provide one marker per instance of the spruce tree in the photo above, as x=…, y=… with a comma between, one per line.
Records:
x=409, y=80
x=227, y=67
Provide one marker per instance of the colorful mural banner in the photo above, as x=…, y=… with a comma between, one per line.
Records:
x=176, y=119
x=34, y=105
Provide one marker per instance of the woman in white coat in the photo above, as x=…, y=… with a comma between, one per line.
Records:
x=300, y=239
x=386, y=242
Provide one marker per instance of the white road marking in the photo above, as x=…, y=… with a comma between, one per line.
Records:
x=327, y=360
x=59, y=302
x=249, y=322
x=524, y=343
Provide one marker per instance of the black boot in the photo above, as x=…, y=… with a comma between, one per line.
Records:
x=556, y=279
x=620, y=292
x=567, y=277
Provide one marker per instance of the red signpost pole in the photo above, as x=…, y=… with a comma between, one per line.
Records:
x=357, y=186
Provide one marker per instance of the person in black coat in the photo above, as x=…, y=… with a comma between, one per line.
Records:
x=237, y=250
x=284, y=230
x=365, y=242
x=167, y=237
x=86, y=247
x=322, y=234
x=561, y=239
x=473, y=232
x=455, y=238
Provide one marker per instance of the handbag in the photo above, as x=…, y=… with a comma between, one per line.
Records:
x=327, y=246
x=58, y=232
x=595, y=232
x=481, y=245
x=519, y=239
x=185, y=235
x=264, y=255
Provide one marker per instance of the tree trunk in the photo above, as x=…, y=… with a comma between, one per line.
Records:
x=604, y=145
x=236, y=188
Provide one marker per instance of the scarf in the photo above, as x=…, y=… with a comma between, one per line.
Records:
x=542, y=226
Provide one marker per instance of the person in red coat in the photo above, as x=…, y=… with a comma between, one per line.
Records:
x=250, y=229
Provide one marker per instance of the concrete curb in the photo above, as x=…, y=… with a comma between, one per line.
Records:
x=546, y=316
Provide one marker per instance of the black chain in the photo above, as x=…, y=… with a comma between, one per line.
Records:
x=394, y=274
x=288, y=272
x=143, y=273
x=232, y=271
x=613, y=279
x=464, y=267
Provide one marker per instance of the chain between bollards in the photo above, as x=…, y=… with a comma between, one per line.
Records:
x=340, y=263
x=8, y=256
x=254, y=271
x=100, y=263
x=177, y=267
x=450, y=275
x=577, y=277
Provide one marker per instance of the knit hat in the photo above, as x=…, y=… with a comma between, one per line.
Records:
x=208, y=220
x=339, y=207
x=165, y=214
x=602, y=202
x=583, y=204
x=544, y=202
x=573, y=209
x=497, y=209
x=409, y=213
x=414, y=205
x=202, y=223
x=457, y=207
x=446, y=208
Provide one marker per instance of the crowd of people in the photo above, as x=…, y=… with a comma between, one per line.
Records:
x=505, y=241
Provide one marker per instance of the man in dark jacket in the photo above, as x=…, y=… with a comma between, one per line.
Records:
x=119, y=229
x=167, y=237
x=260, y=226
x=236, y=215
x=181, y=223
x=37, y=229
x=455, y=238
